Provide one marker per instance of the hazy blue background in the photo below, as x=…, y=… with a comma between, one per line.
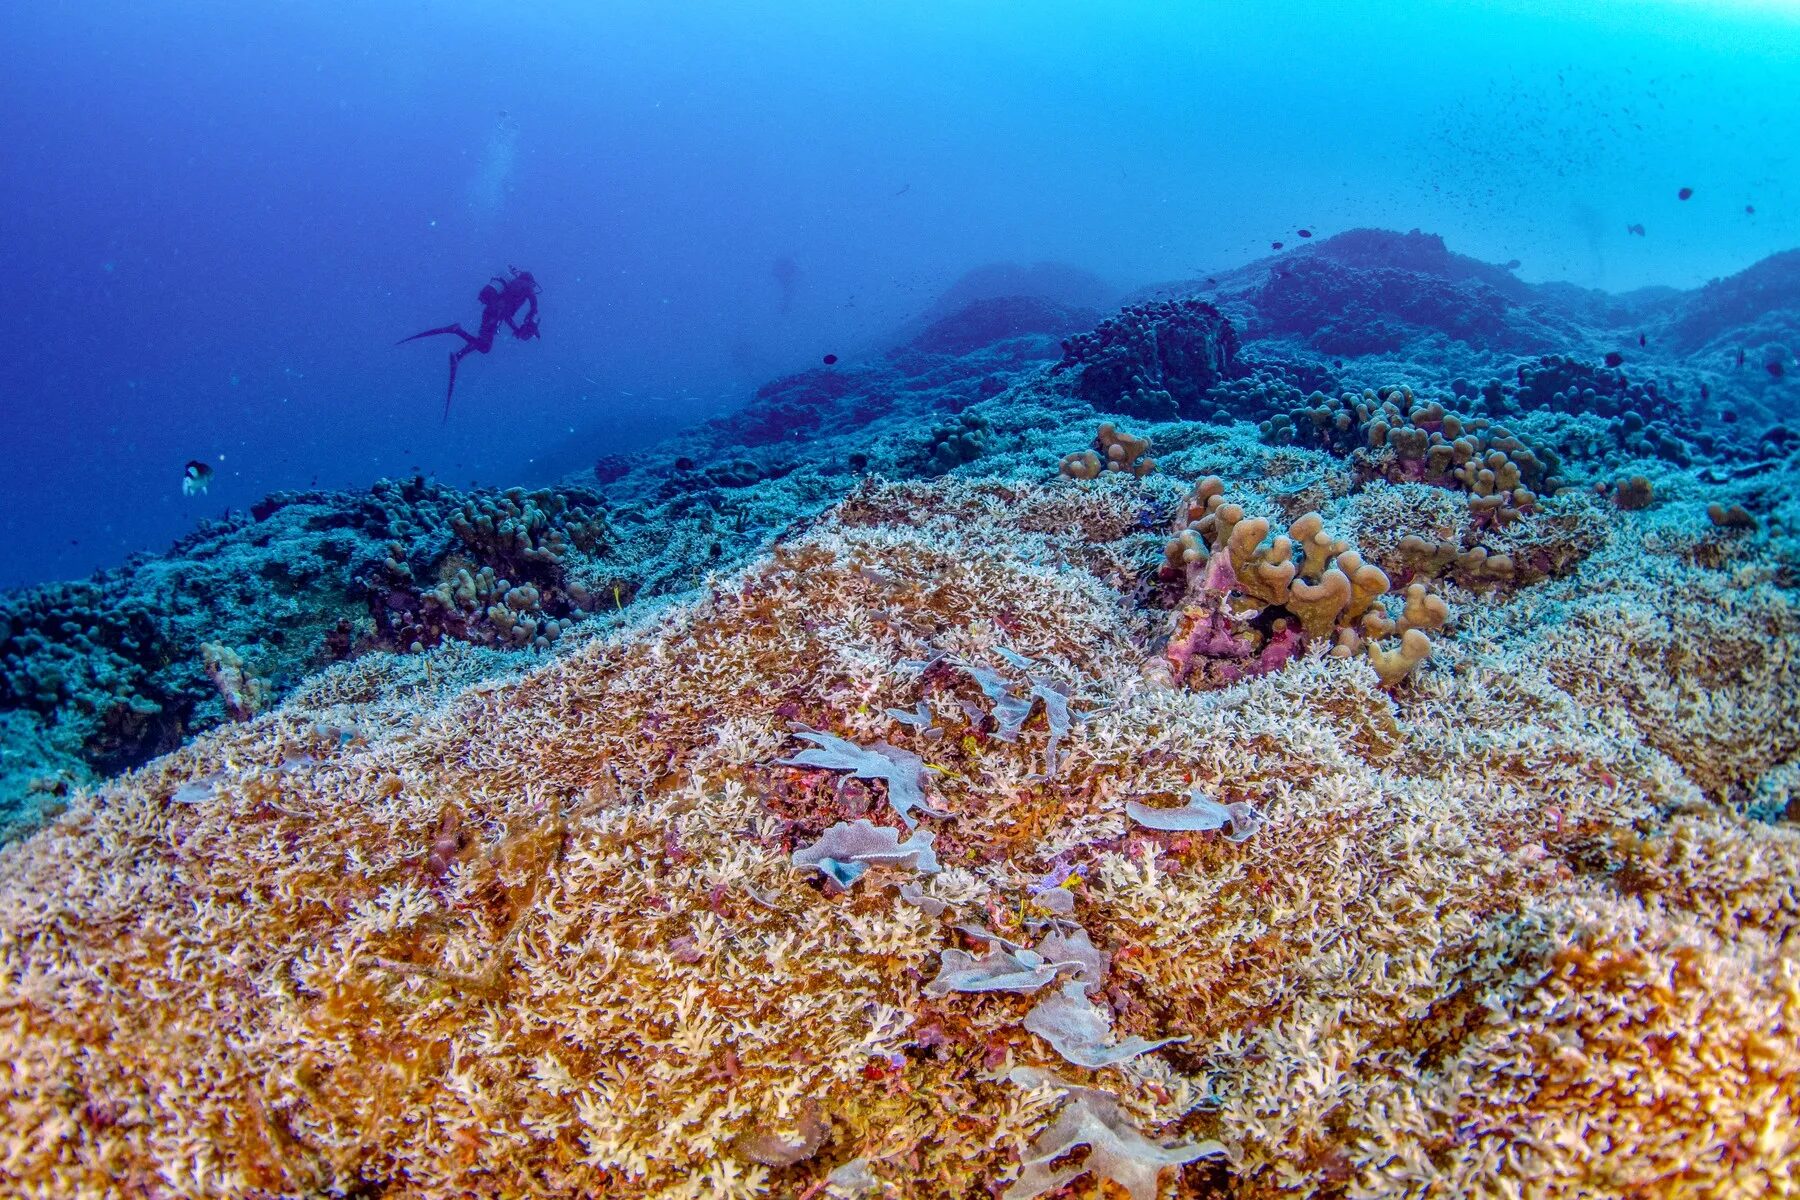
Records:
x=218, y=216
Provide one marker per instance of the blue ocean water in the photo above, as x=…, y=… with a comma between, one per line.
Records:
x=220, y=217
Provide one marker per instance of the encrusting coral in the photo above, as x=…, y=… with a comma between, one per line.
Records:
x=1501, y=930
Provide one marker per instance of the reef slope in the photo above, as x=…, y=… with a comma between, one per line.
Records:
x=542, y=936
x=580, y=870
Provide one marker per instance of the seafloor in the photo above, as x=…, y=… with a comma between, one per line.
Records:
x=851, y=798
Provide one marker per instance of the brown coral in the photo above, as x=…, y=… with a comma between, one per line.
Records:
x=1481, y=935
x=1113, y=450
x=1247, y=608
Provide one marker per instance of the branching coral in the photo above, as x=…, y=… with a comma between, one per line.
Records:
x=1116, y=1150
x=541, y=934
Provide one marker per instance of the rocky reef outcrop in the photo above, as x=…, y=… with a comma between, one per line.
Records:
x=1153, y=360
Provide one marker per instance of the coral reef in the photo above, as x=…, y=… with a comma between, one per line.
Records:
x=787, y=809
x=1113, y=450
x=1152, y=360
x=110, y=672
x=1002, y=318
x=1247, y=609
x=546, y=934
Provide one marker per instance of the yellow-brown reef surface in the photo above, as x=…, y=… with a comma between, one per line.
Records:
x=1506, y=929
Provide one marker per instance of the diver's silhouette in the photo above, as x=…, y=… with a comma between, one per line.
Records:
x=501, y=300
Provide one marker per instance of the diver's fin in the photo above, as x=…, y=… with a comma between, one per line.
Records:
x=429, y=333
x=449, y=391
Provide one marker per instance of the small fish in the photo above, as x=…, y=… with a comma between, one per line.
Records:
x=1513, y=264
x=1304, y=232
x=1640, y=340
x=195, y=477
x=1274, y=245
x=904, y=190
x=831, y=360
x=1684, y=193
x=1749, y=210
x=1705, y=392
x=1774, y=367
x=1637, y=229
x=1614, y=358
x=1740, y=357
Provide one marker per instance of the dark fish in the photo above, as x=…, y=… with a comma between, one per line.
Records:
x=1775, y=368
x=1513, y=264
x=1740, y=360
x=1304, y=232
x=1637, y=229
x=1684, y=193
x=1749, y=210
x=195, y=477
x=1614, y=358
x=1274, y=245
x=1705, y=392
x=830, y=359
x=1640, y=339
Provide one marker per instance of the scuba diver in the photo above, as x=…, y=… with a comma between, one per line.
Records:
x=501, y=300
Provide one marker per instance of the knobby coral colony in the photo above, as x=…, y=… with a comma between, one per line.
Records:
x=1233, y=586
x=884, y=866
